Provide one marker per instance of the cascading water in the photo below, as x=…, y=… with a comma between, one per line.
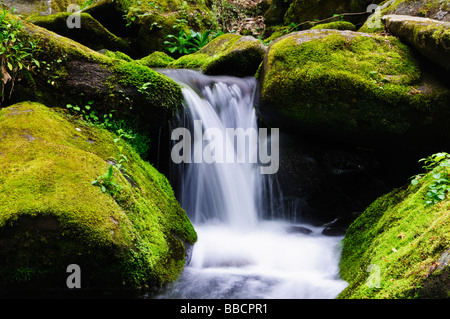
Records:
x=241, y=253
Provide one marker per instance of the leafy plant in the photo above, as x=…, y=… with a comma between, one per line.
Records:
x=86, y=3
x=138, y=140
x=86, y=113
x=16, y=54
x=187, y=42
x=437, y=165
x=378, y=78
x=106, y=182
x=121, y=157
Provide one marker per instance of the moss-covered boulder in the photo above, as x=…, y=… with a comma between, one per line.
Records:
x=89, y=32
x=429, y=37
x=156, y=59
x=131, y=234
x=351, y=86
x=71, y=73
x=399, y=247
x=228, y=54
x=309, y=10
x=433, y=9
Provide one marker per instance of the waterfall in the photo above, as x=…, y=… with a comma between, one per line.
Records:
x=240, y=253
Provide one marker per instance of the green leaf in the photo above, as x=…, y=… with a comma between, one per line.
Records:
x=437, y=175
x=110, y=173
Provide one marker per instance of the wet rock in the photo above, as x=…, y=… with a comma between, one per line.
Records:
x=228, y=54
x=298, y=230
x=339, y=226
x=429, y=37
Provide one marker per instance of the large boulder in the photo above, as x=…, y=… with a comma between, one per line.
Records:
x=70, y=73
x=433, y=9
x=429, y=37
x=228, y=54
x=89, y=32
x=131, y=234
x=398, y=248
x=353, y=87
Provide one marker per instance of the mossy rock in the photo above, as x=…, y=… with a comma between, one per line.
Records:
x=90, y=32
x=134, y=235
x=274, y=15
x=228, y=54
x=429, y=37
x=71, y=73
x=337, y=25
x=117, y=55
x=433, y=9
x=156, y=59
x=398, y=248
x=310, y=10
x=351, y=86
x=33, y=7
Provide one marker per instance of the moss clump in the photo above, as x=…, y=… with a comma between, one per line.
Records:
x=337, y=25
x=403, y=239
x=52, y=216
x=156, y=59
x=343, y=82
x=230, y=54
x=118, y=55
x=156, y=88
x=91, y=33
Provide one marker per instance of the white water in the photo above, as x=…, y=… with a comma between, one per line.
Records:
x=239, y=253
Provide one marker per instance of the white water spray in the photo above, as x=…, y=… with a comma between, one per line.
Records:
x=239, y=253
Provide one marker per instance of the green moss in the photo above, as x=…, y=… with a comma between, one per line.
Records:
x=191, y=61
x=230, y=54
x=156, y=59
x=344, y=81
x=157, y=89
x=118, y=55
x=136, y=94
x=51, y=215
x=91, y=33
x=337, y=25
x=275, y=33
x=403, y=238
x=427, y=9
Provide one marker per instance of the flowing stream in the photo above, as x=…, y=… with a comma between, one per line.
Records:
x=245, y=248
